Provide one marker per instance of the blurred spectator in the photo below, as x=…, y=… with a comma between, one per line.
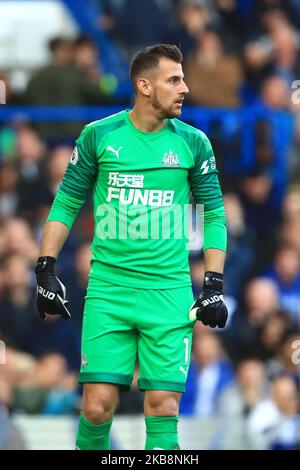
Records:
x=30, y=152
x=27, y=397
x=5, y=91
x=52, y=376
x=285, y=61
x=47, y=388
x=231, y=23
x=127, y=25
x=77, y=279
x=239, y=247
x=285, y=362
x=9, y=197
x=6, y=385
x=290, y=233
x=285, y=272
x=293, y=160
x=268, y=415
x=268, y=13
x=256, y=194
x=86, y=57
x=276, y=55
x=52, y=336
x=11, y=437
x=275, y=93
x=291, y=204
x=209, y=374
x=272, y=48
x=273, y=332
x=243, y=338
x=287, y=435
x=250, y=387
x=87, y=60
x=17, y=302
x=197, y=271
x=213, y=78
x=57, y=165
x=62, y=84
x=18, y=239
x=194, y=17
x=30, y=155
x=38, y=191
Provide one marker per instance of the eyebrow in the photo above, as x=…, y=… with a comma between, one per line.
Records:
x=176, y=76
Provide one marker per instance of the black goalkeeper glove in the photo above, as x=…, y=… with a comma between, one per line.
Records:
x=210, y=307
x=51, y=293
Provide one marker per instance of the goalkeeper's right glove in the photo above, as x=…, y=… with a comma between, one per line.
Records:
x=51, y=293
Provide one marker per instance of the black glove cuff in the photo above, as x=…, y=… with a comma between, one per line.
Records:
x=213, y=281
x=45, y=264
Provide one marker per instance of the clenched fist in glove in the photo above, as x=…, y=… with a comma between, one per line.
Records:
x=210, y=307
x=51, y=293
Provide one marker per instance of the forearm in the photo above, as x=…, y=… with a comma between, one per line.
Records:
x=214, y=260
x=215, y=240
x=54, y=236
x=215, y=230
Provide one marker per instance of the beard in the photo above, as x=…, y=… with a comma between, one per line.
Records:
x=165, y=112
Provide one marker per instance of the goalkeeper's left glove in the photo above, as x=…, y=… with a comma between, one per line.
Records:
x=51, y=293
x=210, y=307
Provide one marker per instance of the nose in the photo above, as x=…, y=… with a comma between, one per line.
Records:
x=185, y=89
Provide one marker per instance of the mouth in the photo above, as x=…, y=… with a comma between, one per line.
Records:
x=179, y=102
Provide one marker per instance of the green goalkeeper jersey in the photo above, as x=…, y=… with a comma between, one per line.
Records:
x=141, y=184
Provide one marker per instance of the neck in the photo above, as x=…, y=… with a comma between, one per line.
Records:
x=145, y=119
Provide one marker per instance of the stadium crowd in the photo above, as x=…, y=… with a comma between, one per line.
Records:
x=236, y=54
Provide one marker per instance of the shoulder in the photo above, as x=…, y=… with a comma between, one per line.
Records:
x=191, y=134
x=107, y=124
x=197, y=141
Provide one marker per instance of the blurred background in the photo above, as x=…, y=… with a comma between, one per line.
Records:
x=65, y=63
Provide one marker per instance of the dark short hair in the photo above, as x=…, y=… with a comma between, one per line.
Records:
x=57, y=42
x=84, y=40
x=148, y=58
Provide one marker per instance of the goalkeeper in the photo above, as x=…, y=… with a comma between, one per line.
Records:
x=141, y=165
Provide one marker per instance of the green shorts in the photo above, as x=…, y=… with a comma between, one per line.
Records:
x=123, y=324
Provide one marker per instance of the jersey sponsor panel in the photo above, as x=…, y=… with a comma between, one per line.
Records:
x=129, y=190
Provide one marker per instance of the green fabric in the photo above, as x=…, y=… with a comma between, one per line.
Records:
x=215, y=233
x=161, y=432
x=124, y=381
x=141, y=185
x=152, y=384
x=122, y=323
x=65, y=209
x=92, y=436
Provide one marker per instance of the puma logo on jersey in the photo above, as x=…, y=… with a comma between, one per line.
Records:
x=116, y=152
x=183, y=370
